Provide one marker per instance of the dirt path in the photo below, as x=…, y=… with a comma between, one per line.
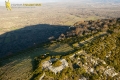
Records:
x=91, y=38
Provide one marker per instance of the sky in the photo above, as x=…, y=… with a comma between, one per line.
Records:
x=2, y=2
x=21, y=1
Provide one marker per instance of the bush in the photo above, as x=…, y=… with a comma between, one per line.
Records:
x=56, y=63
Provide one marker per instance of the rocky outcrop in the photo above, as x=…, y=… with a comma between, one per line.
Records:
x=87, y=27
x=48, y=64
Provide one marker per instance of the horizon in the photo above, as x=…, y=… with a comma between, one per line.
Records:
x=2, y=2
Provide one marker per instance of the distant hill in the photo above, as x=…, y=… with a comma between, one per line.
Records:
x=106, y=1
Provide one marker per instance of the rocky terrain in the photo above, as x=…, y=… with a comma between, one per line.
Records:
x=96, y=58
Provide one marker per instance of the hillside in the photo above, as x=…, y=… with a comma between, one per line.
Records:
x=17, y=25
x=96, y=58
x=88, y=50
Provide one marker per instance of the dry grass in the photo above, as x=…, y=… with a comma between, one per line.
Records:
x=20, y=66
x=60, y=48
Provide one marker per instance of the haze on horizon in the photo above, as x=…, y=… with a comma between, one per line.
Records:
x=2, y=2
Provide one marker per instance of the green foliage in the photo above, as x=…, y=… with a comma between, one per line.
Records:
x=49, y=73
x=56, y=63
x=94, y=76
x=80, y=71
x=107, y=45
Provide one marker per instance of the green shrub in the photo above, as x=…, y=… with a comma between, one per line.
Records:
x=56, y=63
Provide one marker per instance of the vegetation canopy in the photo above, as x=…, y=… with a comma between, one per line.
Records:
x=56, y=63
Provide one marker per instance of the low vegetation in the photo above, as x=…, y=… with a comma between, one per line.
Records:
x=96, y=56
x=56, y=63
x=90, y=53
